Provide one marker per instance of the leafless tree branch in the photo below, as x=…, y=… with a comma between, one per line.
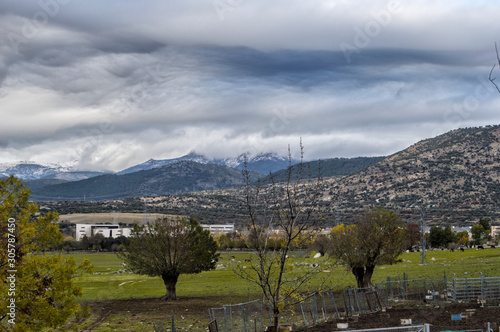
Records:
x=490, y=77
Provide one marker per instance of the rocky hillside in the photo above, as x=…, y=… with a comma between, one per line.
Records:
x=456, y=176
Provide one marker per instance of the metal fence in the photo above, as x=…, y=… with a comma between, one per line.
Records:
x=328, y=305
x=484, y=289
x=309, y=310
x=412, y=328
x=403, y=289
x=239, y=317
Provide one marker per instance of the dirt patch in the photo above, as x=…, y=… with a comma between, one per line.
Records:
x=140, y=314
x=473, y=317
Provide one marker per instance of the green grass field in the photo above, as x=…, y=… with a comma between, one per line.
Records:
x=106, y=284
x=222, y=286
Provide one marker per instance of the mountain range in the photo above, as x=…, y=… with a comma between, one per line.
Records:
x=453, y=178
x=30, y=171
x=180, y=177
x=263, y=163
x=176, y=177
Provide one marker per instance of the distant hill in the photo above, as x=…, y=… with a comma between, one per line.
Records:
x=263, y=163
x=37, y=184
x=333, y=167
x=176, y=178
x=28, y=170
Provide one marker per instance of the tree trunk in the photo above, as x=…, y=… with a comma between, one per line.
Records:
x=170, y=280
x=276, y=318
x=367, y=279
x=359, y=273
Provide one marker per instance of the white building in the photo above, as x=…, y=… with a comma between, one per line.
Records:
x=113, y=231
x=219, y=229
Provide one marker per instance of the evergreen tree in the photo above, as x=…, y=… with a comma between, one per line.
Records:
x=37, y=290
x=168, y=248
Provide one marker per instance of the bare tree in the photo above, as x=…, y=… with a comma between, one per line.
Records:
x=490, y=77
x=280, y=213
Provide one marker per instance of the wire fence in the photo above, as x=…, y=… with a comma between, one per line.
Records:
x=424, y=290
x=412, y=328
x=328, y=305
x=239, y=317
x=485, y=290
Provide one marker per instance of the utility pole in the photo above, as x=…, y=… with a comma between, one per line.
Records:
x=421, y=204
x=337, y=211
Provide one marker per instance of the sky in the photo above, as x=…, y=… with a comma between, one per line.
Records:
x=104, y=85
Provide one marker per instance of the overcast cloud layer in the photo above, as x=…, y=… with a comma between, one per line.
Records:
x=109, y=84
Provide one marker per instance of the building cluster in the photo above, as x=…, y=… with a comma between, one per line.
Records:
x=114, y=231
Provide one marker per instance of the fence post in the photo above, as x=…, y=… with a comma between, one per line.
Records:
x=405, y=286
x=434, y=297
x=243, y=316
x=356, y=297
x=467, y=289
x=345, y=304
x=173, y=325
x=483, y=297
x=390, y=286
x=454, y=290
x=399, y=285
x=445, y=287
x=316, y=319
x=303, y=314
x=335, y=304
x=425, y=288
x=325, y=310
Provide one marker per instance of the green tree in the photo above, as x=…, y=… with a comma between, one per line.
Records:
x=414, y=235
x=449, y=236
x=378, y=237
x=478, y=233
x=168, y=248
x=485, y=223
x=441, y=237
x=40, y=289
x=487, y=228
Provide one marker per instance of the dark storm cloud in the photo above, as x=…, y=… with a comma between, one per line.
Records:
x=110, y=84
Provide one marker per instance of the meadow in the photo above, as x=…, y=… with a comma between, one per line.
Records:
x=129, y=302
